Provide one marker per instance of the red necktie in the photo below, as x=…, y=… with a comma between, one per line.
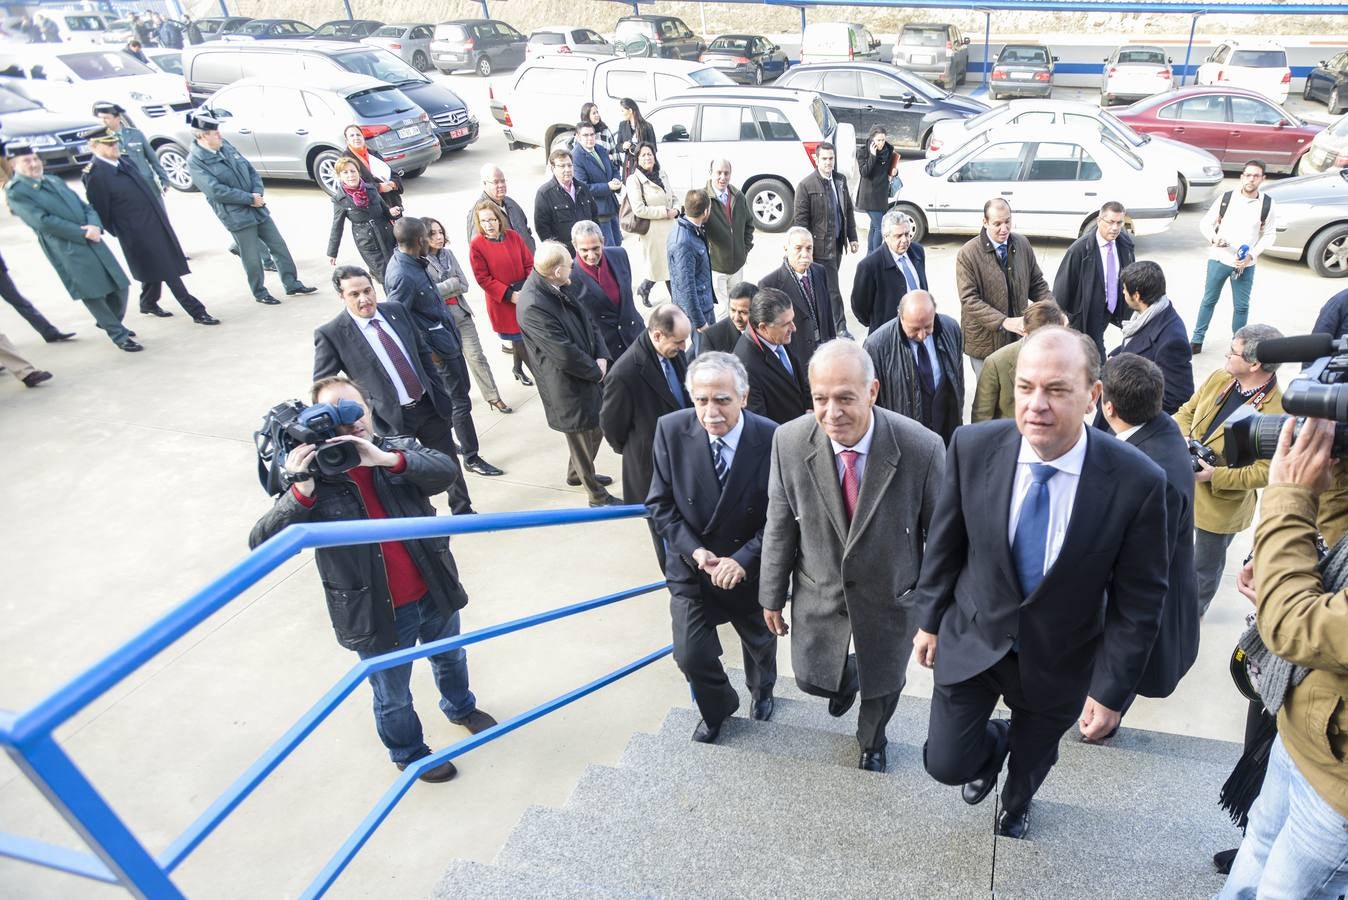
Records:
x=401, y=365
x=850, y=485
x=728, y=215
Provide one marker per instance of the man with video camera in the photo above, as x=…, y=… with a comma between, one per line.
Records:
x=382, y=596
x=1296, y=844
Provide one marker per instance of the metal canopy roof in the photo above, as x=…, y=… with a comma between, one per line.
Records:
x=1109, y=6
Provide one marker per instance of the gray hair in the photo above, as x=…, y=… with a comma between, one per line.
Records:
x=843, y=348
x=796, y=231
x=487, y=171
x=717, y=161
x=1253, y=335
x=715, y=363
x=585, y=228
x=915, y=294
x=893, y=219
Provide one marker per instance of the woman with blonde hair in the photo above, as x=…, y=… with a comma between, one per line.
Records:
x=359, y=202
x=373, y=169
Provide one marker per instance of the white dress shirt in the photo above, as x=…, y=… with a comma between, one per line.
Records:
x=730, y=441
x=1125, y=434
x=1239, y=226
x=863, y=449
x=1062, y=492
x=372, y=338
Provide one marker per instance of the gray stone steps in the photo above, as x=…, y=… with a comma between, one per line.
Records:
x=468, y=880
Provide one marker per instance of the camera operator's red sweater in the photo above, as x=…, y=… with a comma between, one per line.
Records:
x=405, y=584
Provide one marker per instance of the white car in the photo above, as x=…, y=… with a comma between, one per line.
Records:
x=1054, y=182
x=551, y=39
x=545, y=95
x=1134, y=71
x=1200, y=173
x=72, y=79
x=769, y=135
x=82, y=26
x=1256, y=65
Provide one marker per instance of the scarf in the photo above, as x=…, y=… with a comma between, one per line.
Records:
x=363, y=154
x=1134, y=325
x=358, y=195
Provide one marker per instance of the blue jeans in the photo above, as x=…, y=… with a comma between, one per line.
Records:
x=1219, y=273
x=874, y=237
x=1296, y=845
x=394, y=718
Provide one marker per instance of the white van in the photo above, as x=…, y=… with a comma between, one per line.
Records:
x=837, y=42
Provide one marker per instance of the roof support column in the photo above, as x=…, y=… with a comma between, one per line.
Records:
x=1193, y=26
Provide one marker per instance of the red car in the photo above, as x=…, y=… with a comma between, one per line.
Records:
x=1233, y=124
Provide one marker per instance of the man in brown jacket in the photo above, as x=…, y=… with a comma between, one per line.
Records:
x=1296, y=844
x=997, y=277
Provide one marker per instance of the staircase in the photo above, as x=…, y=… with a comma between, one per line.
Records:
x=779, y=809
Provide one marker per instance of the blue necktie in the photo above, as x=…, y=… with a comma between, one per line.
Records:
x=1001, y=254
x=672, y=380
x=909, y=276
x=786, y=360
x=718, y=460
x=1030, y=544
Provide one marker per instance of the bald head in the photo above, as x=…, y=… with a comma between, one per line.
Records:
x=1057, y=386
x=917, y=315
x=843, y=389
x=493, y=182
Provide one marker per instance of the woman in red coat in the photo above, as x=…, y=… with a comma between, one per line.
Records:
x=501, y=261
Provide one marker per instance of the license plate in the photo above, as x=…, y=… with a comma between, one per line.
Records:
x=409, y=131
x=458, y=133
x=922, y=59
x=1022, y=76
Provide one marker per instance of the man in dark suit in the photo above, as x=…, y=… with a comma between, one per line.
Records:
x=779, y=386
x=725, y=334
x=824, y=206
x=1156, y=331
x=1133, y=387
x=887, y=273
x=709, y=498
x=1087, y=283
x=602, y=280
x=377, y=346
x=646, y=383
x=1042, y=584
x=594, y=169
x=562, y=201
x=804, y=281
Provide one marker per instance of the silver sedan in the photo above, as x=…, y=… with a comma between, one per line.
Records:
x=1312, y=221
x=411, y=41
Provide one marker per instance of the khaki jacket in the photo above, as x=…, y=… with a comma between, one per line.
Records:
x=1304, y=625
x=1224, y=505
x=995, y=395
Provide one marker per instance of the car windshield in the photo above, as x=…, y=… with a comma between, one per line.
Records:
x=1260, y=59
x=1122, y=129
x=383, y=65
x=209, y=26
x=1148, y=56
x=11, y=102
x=639, y=27
x=710, y=77
x=1028, y=56
x=985, y=118
x=94, y=65
x=339, y=28
x=923, y=37
x=734, y=45
x=822, y=117
x=85, y=23
x=389, y=31
x=918, y=85
x=1339, y=128
x=547, y=37
x=379, y=103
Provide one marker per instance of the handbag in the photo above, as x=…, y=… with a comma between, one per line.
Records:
x=895, y=182
x=628, y=220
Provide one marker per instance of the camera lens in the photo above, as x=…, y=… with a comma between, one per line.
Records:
x=1306, y=397
x=1252, y=438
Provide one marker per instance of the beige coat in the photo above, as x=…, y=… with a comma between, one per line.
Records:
x=651, y=201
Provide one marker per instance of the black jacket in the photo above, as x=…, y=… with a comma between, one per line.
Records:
x=131, y=211
x=635, y=396
x=371, y=229
x=353, y=577
x=621, y=324
x=900, y=390
x=814, y=211
x=773, y=392
x=406, y=281
x=879, y=283
x=1079, y=286
x=1165, y=341
x=515, y=215
x=563, y=343
x=555, y=212
x=873, y=177
x=723, y=336
x=811, y=329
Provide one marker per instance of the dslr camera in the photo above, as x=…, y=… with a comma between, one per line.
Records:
x=1200, y=452
x=1319, y=392
x=291, y=424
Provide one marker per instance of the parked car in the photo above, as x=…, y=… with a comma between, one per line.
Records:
x=87, y=27
x=165, y=59
x=1312, y=215
x=214, y=28
x=71, y=78
x=345, y=30
x=1233, y=124
x=55, y=136
x=1055, y=183
x=270, y=30
x=483, y=45
x=837, y=42
x=543, y=101
x=937, y=52
x=1256, y=65
x=746, y=58
x=409, y=42
x=667, y=37
x=292, y=128
x=863, y=94
x=1134, y=71
x=209, y=67
x=1329, y=82
x=567, y=39
x=769, y=135
x=1328, y=151
x=1022, y=70
x=1199, y=172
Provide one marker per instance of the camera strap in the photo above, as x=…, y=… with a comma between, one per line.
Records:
x=1254, y=399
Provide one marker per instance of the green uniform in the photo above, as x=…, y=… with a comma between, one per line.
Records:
x=136, y=148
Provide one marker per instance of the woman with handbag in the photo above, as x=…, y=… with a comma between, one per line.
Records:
x=648, y=200
x=501, y=261
x=371, y=221
x=876, y=162
x=632, y=133
x=373, y=169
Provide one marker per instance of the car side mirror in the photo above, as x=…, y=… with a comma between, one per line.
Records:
x=965, y=42
x=1284, y=123
x=1055, y=59
x=219, y=113
x=1105, y=60
x=774, y=48
x=1324, y=62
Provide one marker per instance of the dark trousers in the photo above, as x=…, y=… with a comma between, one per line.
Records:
x=583, y=446
x=454, y=373
x=697, y=652
x=108, y=312
x=961, y=738
x=874, y=714
x=834, y=291
x=10, y=293
x=1210, y=562
x=151, y=291
x=252, y=242
x=613, y=236
x=428, y=426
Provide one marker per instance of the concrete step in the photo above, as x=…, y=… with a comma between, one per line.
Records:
x=468, y=880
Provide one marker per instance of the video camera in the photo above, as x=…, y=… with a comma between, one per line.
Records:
x=290, y=424
x=1320, y=392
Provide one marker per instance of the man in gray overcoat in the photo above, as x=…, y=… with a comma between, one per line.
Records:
x=850, y=495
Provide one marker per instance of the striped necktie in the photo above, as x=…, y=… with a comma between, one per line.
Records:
x=718, y=460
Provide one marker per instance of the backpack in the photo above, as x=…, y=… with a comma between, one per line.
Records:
x=1263, y=212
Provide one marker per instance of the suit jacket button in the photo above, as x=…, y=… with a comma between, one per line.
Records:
x=849, y=584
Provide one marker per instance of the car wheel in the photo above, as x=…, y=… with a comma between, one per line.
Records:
x=484, y=65
x=1306, y=90
x=916, y=221
x=562, y=140
x=420, y=62
x=1183, y=192
x=321, y=170
x=770, y=203
x=414, y=173
x=758, y=75
x=1327, y=252
x=174, y=160
x=1333, y=103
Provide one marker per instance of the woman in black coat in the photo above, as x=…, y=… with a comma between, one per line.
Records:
x=371, y=221
x=632, y=133
x=873, y=162
x=373, y=169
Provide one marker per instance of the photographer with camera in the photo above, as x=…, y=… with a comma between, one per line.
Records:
x=1225, y=497
x=1296, y=844
x=381, y=596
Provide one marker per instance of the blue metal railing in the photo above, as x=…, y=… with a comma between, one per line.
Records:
x=118, y=856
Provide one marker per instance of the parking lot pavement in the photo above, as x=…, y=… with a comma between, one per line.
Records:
x=131, y=482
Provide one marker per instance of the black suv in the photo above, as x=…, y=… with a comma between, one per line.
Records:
x=666, y=36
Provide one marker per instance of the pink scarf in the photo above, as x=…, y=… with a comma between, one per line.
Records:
x=358, y=195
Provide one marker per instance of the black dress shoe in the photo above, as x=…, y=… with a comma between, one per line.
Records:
x=526, y=381
x=1195, y=349
x=607, y=500
x=268, y=300
x=872, y=760
x=157, y=311
x=1014, y=824
x=33, y=379
x=837, y=706
x=129, y=346
x=436, y=774
x=976, y=791
x=301, y=289
x=481, y=466
x=1223, y=859
x=706, y=734
x=59, y=336
x=206, y=319
x=574, y=480
x=476, y=721
x=762, y=709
